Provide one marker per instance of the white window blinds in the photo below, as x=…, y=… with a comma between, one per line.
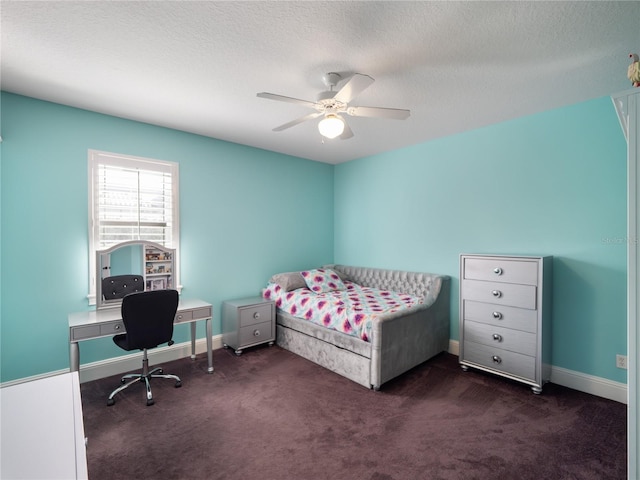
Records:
x=133, y=204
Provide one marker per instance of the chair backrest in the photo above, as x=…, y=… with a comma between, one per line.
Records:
x=148, y=317
x=120, y=285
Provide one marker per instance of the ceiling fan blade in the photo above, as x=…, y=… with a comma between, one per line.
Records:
x=347, y=132
x=379, y=112
x=295, y=122
x=281, y=98
x=356, y=84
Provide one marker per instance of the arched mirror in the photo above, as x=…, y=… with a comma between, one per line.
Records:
x=132, y=266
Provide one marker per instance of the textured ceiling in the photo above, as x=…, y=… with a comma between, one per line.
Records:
x=197, y=66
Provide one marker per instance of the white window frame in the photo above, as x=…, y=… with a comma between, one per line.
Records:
x=96, y=158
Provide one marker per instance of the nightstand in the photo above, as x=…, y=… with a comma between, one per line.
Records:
x=247, y=322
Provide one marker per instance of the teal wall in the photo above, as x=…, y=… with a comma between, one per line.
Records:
x=235, y=204
x=547, y=184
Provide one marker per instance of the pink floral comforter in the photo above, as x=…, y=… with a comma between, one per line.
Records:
x=348, y=311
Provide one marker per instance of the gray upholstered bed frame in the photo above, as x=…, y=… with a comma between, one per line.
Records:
x=400, y=341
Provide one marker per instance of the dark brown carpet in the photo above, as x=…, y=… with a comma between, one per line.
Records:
x=271, y=415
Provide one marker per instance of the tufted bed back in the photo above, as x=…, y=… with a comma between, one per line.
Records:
x=425, y=285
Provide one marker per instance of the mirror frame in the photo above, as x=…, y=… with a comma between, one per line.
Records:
x=100, y=302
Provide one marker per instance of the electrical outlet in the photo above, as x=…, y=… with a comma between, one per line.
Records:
x=621, y=361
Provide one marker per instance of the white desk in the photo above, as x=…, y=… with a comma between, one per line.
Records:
x=108, y=322
x=42, y=430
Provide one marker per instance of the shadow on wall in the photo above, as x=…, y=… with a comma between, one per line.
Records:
x=584, y=325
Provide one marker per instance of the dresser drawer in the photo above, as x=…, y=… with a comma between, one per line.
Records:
x=500, y=360
x=257, y=333
x=501, y=315
x=501, y=270
x=255, y=314
x=523, y=296
x=500, y=337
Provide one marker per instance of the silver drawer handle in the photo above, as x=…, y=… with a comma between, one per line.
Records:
x=497, y=337
x=497, y=315
x=496, y=293
x=179, y=317
x=117, y=327
x=256, y=333
x=496, y=359
x=256, y=315
x=497, y=271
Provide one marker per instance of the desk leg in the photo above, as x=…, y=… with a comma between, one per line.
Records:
x=209, y=346
x=193, y=340
x=74, y=357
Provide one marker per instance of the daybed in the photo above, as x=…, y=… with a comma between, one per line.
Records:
x=395, y=342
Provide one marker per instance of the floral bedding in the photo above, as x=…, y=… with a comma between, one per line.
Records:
x=348, y=309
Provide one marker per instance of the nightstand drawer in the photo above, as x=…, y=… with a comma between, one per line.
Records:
x=255, y=314
x=258, y=333
x=511, y=363
x=499, y=337
x=501, y=315
x=523, y=296
x=501, y=270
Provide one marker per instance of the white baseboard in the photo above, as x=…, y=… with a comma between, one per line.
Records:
x=133, y=361
x=582, y=382
x=598, y=386
x=589, y=384
x=130, y=362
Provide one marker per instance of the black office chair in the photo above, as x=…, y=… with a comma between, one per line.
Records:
x=148, y=319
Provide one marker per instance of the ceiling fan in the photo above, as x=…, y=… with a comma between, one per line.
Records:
x=331, y=104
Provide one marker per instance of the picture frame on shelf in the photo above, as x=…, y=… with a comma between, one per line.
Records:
x=158, y=284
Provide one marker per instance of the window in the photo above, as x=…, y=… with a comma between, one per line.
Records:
x=131, y=198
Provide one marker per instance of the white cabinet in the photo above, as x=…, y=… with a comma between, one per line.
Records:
x=627, y=106
x=42, y=429
x=505, y=315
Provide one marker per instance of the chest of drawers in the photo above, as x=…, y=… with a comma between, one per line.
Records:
x=247, y=322
x=505, y=316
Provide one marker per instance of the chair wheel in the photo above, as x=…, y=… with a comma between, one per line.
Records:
x=110, y=402
x=178, y=384
x=150, y=402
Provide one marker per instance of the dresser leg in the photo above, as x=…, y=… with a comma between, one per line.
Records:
x=536, y=390
x=464, y=368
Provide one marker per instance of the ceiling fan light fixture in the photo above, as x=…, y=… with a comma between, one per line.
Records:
x=331, y=126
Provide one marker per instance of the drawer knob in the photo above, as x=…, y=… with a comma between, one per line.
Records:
x=496, y=359
x=117, y=327
x=256, y=333
x=497, y=271
x=179, y=317
x=497, y=315
x=256, y=315
x=496, y=293
x=497, y=337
